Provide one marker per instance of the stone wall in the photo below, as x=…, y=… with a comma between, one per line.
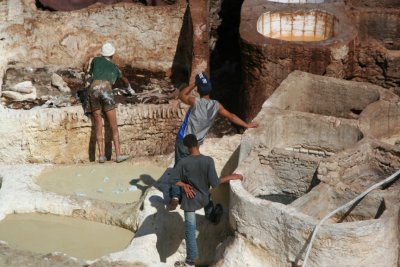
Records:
x=66, y=135
x=377, y=57
x=289, y=167
x=145, y=36
x=374, y=3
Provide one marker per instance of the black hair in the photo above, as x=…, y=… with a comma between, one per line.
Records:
x=204, y=94
x=190, y=141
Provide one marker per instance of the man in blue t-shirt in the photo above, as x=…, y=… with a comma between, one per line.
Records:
x=195, y=174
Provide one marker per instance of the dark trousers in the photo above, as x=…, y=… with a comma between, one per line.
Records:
x=180, y=152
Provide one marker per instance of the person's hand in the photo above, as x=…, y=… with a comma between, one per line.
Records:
x=252, y=124
x=190, y=193
x=130, y=90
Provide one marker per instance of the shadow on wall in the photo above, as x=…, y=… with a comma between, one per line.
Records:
x=182, y=63
x=225, y=62
x=232, y=163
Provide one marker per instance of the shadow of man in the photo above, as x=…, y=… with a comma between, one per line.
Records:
x=147, y=182
x=167, y=226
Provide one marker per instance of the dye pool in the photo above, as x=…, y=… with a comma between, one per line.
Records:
x=120, y=183
x=312, y=26
x=44, y=233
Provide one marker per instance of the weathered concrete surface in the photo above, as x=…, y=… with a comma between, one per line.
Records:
x=250, y=253
x=381, y=121
x=374, y=3
x=70, y=5
x=322, y=169
x=346, y=99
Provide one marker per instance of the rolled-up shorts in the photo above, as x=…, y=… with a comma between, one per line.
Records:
x=101, y=96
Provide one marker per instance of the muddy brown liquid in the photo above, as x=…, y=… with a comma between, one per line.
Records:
x=44, y=233
x=121, y=183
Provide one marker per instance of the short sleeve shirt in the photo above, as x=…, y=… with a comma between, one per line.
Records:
x=199, y=119
x=103, y=69
x=198, y=171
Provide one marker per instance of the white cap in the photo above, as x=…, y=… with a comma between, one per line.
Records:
x=107, y=50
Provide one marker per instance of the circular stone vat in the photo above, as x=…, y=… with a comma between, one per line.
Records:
x=289, y=152
x=121, y=183
x=301, y=26
x=45, y=233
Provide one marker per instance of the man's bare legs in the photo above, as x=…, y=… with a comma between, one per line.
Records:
x=98, y=124
x=112, y=120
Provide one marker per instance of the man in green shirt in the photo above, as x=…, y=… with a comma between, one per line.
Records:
x=104, y=74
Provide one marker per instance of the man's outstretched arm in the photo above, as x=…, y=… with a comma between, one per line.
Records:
x=233, y=176
x=235, y=119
